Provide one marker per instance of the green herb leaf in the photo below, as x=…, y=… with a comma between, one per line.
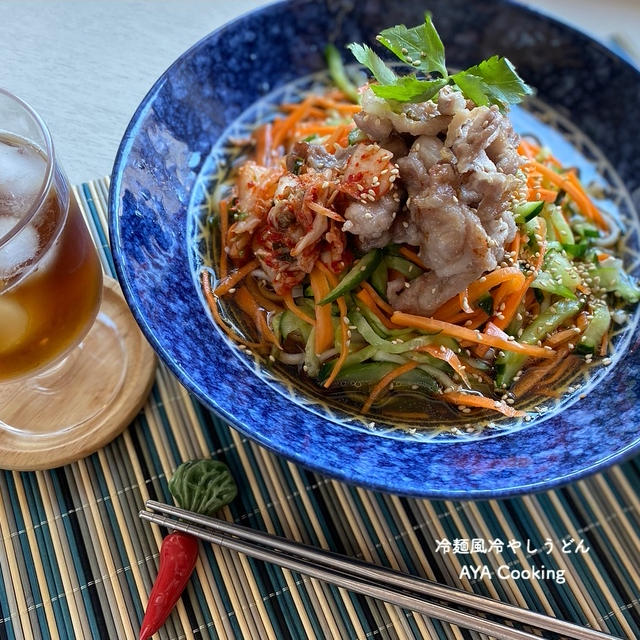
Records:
x=473, y=87
x=203, y=486
x=419, y=46
x=366, y=56
x=493, y=81
x=409, y=89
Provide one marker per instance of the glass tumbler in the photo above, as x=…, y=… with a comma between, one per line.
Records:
x=61, y=360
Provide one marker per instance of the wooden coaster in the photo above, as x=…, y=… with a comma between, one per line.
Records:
x=29, y=451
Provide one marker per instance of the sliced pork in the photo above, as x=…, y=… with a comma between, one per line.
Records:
x=461, y=179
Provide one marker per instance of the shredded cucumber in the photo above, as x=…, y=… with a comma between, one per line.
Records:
x=510, y=363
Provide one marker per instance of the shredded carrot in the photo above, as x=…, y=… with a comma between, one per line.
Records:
x=505, y=289
x=343, y=107
x=286, y=125
x=224, y=227
x=594, y=212
x=337, y=135
x=294, y=308
x=263, y=137
x=447, y=355
x=582, y=320
x=344, y=342
x=205, y=279
x=514, y=247
x=513, y=301
x=263, y=301
x=412, y=257
x=463, y=333
x=476, y=320
x=526, y=149
x=473, y=321
x=571, y=185
x=250, y=306
x=491, y=330
x=324, y=324
x=386, y=380
x=477, y=289
x=369, y=302
x=344, y=326
x=329, y=275
x=318, y=208
x=319, y=129
x=233, y=278
x=548, y=195
x=560, y=337
x=531, y=150
x=377, y=298
x=604, y=344
x=471, y=400
x=314, y=112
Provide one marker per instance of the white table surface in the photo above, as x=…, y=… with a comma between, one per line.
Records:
x=86, y=64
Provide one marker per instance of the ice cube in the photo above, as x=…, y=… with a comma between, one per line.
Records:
x=22, y=171
x=20, y=250
x=14, y=322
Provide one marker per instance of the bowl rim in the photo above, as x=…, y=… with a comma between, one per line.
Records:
x=295, y=456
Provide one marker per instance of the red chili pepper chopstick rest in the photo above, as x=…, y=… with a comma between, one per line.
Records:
x=178, y=555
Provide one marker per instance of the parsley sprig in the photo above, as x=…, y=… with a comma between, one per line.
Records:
x=493, y=81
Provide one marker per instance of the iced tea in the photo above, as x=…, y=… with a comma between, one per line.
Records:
x=50, y=275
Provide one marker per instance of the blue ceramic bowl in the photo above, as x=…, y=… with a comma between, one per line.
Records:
x=172, y=154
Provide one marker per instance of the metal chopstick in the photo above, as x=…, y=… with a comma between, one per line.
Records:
x=357, y=585
x=375, y=574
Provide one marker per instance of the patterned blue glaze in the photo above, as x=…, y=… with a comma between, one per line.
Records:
x=152, y=216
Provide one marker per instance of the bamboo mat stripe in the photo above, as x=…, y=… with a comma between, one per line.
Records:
x=76, y=561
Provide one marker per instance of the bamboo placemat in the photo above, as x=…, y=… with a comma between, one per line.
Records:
x=76, y=561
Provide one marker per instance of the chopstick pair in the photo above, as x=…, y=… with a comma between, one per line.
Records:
x=397, y=588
